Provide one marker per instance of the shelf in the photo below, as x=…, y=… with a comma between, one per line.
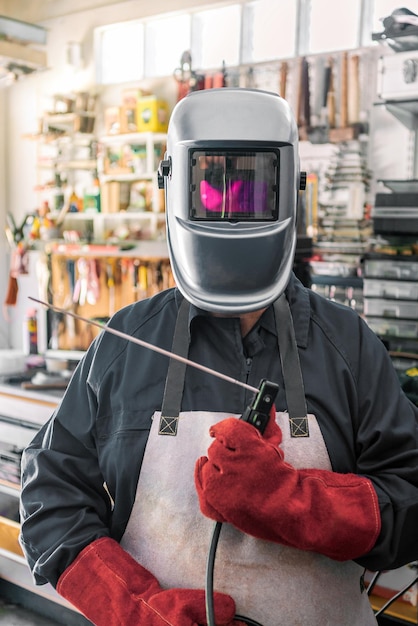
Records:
x=60, y=166
x=134, y=139
x=132, y=158
x=69, y=122
x=406, y=111
x=9, y=488
x=121, y=215
x=401, y=186
x=340, y=281
x=144, y=249
x=128, y=177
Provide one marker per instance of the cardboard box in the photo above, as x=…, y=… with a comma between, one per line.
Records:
x=152, y=115
x=110, y=197
x=130, y=96
x=128, y=119
x=115, y=196
x=112, y=120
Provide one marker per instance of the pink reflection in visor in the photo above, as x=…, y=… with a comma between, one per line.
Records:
x=244, y=197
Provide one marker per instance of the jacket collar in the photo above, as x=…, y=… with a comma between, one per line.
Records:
x=298, y=297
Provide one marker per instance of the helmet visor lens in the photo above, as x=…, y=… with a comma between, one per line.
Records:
x=234, y=185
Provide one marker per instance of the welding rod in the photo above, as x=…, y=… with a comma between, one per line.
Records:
x=145, y=344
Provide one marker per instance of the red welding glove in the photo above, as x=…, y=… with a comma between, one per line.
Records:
x=111, y=589
x=245, y=481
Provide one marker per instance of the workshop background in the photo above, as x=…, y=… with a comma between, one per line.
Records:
x=86, y=92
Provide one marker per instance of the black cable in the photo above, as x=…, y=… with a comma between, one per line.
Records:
x=210, y=566
x=257, y=414
x=247, y=620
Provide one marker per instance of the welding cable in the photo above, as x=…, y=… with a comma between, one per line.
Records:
x=210, y=565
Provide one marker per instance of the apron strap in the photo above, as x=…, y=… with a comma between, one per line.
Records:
x=292, y=374
x=176, y=373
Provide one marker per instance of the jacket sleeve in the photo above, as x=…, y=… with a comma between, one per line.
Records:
x=64, y=503
x=369, y=425
x=387, y=454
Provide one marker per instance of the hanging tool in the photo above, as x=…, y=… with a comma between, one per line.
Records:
x=344, y=91
x=17, y=232
x=186, y=77
x=145, y=344
x=331, y=95
x=110, y=272
x=354, y=89
x=324, y=112
x=284, y=68
x=304, y=107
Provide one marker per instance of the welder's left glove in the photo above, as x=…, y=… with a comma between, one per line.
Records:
x=245, y=481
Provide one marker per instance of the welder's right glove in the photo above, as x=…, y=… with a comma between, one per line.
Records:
x=111, y=589
x=244, y=480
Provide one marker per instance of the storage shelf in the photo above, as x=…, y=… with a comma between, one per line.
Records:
x=62, y=166
x=341, y=281
x=9, y=488
x=128, y=177
x=406, y=111
x=134, y=139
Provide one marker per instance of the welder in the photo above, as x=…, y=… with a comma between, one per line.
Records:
x=122, y=486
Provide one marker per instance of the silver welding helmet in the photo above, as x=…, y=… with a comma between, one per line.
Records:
x=231, y=178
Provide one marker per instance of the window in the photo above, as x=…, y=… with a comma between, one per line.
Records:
x=216, y=37
x=269, y=29
x=236, y=32
x=333, y=25
x=163, y=50
x=120, y=51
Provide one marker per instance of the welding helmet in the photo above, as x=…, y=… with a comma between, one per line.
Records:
x=231, y=178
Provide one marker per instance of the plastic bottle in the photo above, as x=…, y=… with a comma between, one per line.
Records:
x=32, y=331
x=92, y=199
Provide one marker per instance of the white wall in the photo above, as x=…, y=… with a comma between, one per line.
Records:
x=4, y=343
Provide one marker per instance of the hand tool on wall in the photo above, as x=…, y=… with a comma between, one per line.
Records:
x=317, y=91
x=110, y=273
x=142, y=281
x=134, y=270
x=320, y=79
x=353, y=112
x=304, y=110
x=344, y=90
x=326, y=84
x=284, y=68
x=17, y=232
x=93, y=281
x=19, y=265
x=80, y=288
x=331, y=94
x=188, y=80
x=219, y=78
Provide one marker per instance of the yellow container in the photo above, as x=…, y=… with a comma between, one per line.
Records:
x=152, y=115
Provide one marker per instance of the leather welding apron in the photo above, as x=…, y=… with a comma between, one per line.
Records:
x=271, y=584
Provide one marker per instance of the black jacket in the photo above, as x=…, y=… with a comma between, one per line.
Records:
x=80, y=472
